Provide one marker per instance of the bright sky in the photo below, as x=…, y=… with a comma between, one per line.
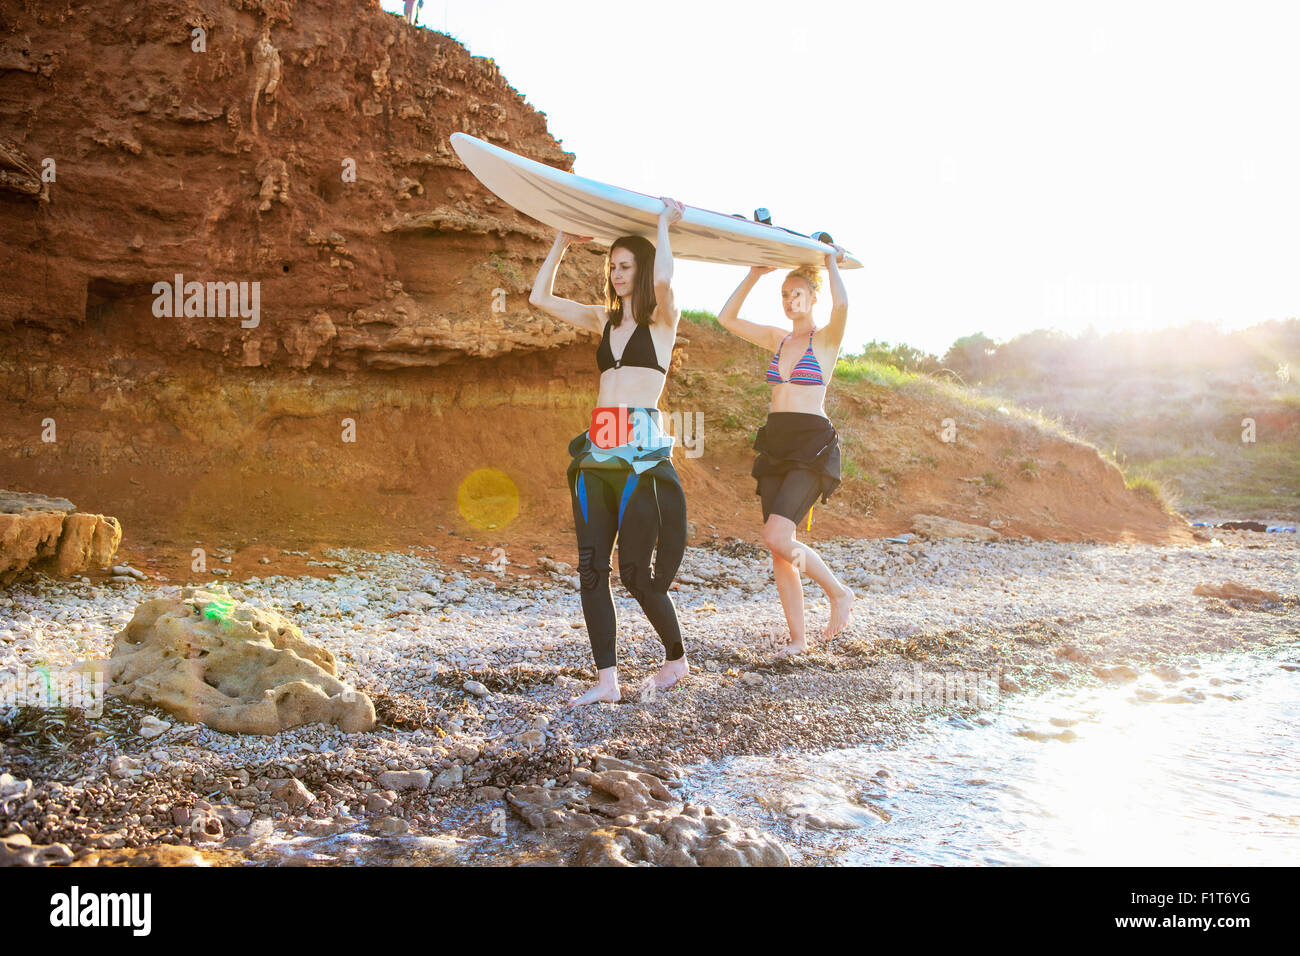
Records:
x=998, y=166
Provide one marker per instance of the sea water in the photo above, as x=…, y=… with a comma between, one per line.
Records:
x=1198, y=767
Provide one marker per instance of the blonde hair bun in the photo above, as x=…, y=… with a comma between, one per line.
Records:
x=810, y=274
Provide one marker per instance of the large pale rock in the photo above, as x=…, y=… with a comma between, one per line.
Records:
x=39, y=533
x=932, y=526
x=207, y=658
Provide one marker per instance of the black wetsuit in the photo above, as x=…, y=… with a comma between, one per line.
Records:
x=630, y=492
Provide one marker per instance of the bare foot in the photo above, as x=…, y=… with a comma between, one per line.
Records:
x=671, y=673
x=608, y=694
x=841, y=608
x=793, y=648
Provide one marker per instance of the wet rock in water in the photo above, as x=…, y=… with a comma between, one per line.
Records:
x=1232, y=591
x=614, y=789
x=649, y=825
x=161, y=855
x=320, y=828
x=17, y=850
x=1119, y=672
x=1072, y=653
x=406, y=779
x=554, y=808
x=392, y=826
x=616, y=792
x=818, y=821
x=670, y=774
x=1033, y=733
x=210, y=659
x=690, y=838
x=932, y=526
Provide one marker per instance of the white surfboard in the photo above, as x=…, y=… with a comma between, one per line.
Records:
x=586, y=207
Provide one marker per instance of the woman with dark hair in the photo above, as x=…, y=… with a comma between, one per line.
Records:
x=798, y=448
x=621, y=481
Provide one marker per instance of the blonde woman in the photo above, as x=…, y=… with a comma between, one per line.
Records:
x=798, y=449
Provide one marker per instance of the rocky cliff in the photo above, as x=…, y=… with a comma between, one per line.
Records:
x=299, y=145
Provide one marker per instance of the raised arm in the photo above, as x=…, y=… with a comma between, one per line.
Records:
x=764, y=336
x=590, y=318
x=839, y=298
x=665, y=304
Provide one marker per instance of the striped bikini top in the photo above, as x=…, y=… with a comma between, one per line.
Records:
x=807, y=371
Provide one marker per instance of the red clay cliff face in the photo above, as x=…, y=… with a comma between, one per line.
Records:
x=302, y=147
x=396, y=355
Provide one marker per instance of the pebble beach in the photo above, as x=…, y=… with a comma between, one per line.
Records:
x=469, y=659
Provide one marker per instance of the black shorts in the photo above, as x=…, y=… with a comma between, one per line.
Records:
x=798, y=462
x=791, y=495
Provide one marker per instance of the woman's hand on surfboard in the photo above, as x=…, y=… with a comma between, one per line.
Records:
x=757, y=271
x=837, y=256
x=672, y=209
x=567, y=237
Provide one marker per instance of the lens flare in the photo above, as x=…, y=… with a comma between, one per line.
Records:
x=487, y=498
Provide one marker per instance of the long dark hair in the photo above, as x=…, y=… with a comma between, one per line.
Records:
x=643, y=286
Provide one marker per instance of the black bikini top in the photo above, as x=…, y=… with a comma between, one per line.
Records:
x=639, y=351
